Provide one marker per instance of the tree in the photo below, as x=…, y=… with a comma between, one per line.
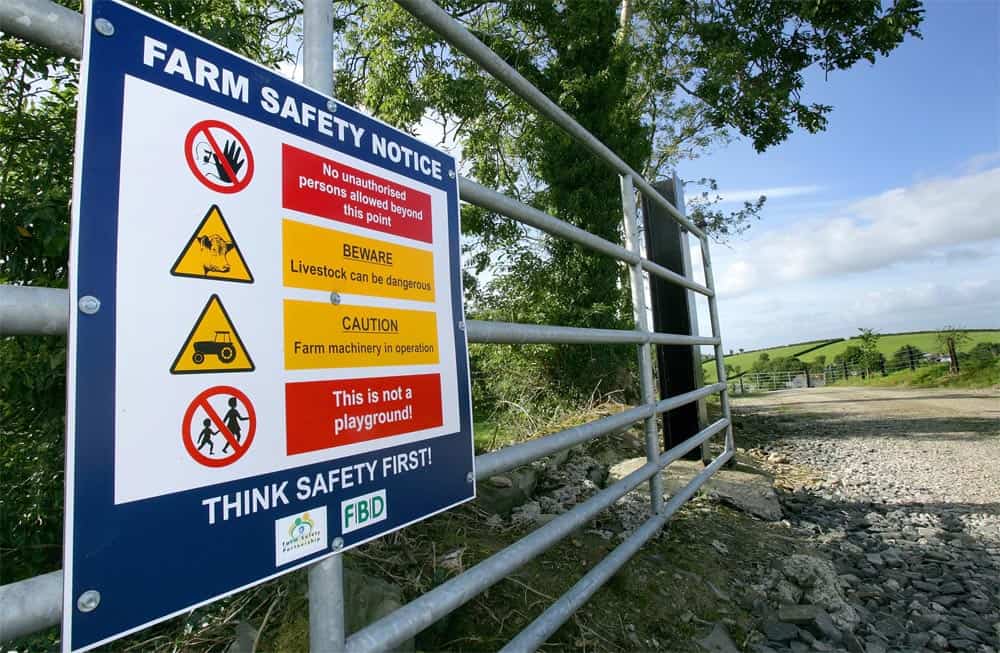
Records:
x=871, y=357
x=906, y=356
x=983, y=353
x=950, y=339
x=655, y=81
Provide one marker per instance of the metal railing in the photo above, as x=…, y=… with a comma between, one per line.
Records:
x=34, y=604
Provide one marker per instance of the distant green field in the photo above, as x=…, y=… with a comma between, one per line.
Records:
x=746, y=359
x=888, y=344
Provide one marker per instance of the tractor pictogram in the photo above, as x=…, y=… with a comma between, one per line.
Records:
x=221, y=347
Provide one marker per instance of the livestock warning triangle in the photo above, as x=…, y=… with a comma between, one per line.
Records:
x=212, y=252
x=213, y=345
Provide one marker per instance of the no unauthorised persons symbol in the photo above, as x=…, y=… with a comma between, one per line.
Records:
x=219, y=156
x=219, y=426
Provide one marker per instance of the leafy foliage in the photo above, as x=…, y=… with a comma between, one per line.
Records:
x=656, y=81
x=906, y=356
x=38, y=93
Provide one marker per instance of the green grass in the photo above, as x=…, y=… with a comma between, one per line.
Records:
x=746, y=359
x=888, y=344
x=925, y=341
x=935, y=376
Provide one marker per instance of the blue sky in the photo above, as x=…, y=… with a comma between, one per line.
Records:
x=890, y=218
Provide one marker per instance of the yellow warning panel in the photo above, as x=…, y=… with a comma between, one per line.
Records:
x=212, y=252
x=213, y=345
x=325, y=259
x=320, y=335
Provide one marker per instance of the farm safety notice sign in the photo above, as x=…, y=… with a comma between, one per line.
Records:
x=267, y=360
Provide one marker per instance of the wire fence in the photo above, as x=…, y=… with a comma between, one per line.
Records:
x=749, y=382
x=34, y=604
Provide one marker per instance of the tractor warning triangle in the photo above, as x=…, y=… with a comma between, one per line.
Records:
x=213, y=345
x=212, y=252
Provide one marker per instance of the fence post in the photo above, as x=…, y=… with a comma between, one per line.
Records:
x=720, y=367
x=326, y=579
x=644, y=350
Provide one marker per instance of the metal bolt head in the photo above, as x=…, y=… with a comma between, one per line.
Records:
x=331, y=106
x=104, y=27
x=451, y=174
x=461, y=326
x=334, y=298
x=89, y=304
x=88, y=601
x=337, y=544
x=468, y=477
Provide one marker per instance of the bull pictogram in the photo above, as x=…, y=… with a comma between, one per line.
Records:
x=212, y=252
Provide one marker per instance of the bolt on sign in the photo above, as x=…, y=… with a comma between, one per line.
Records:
x=276, y=370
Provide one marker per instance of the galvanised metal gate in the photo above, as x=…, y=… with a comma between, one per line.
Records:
x=34, y=604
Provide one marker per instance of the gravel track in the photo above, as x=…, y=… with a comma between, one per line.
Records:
x=908, y=509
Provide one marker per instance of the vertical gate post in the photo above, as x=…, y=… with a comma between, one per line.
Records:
x=317, y=45
x=326, y=578
x=720, y=364
x=326, y=605
x=644, y=350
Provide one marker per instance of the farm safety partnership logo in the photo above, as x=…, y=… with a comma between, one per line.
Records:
x=299, y=535
x=305, y=533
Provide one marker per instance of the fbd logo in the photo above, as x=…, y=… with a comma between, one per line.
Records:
x=299, y=535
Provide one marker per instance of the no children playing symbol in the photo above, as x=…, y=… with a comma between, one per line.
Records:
x=219, y=156
x=202, y=424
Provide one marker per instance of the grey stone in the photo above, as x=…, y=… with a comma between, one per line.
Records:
x=778, y=631
x=818, y=580
x=811, y=618
x=961, y=644
x=852, y=643
x=370, y=599
x=502, y=500
x=951, y=588
x=744, y=488
x=246, y=637
x=787, y=593
x=719, y=641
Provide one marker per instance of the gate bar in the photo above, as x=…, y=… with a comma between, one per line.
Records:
x=326, y=578
x=489, y=199
x=33, y=310
x=516, y=455
x=531, y=638
x=720, y=361
x=45, y=23
x=644, y=351
x=30, y=605
x=421, y=612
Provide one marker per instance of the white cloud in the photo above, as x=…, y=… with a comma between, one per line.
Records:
x=899, y=225
x=751, y=195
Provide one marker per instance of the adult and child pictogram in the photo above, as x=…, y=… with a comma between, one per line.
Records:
x=202, y=426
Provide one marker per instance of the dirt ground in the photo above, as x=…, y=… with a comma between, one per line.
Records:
x=938, y=444
x=884, y=402
x=905, y=501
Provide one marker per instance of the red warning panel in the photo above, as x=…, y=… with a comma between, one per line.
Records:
x=325, y=188
x=326, y=414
